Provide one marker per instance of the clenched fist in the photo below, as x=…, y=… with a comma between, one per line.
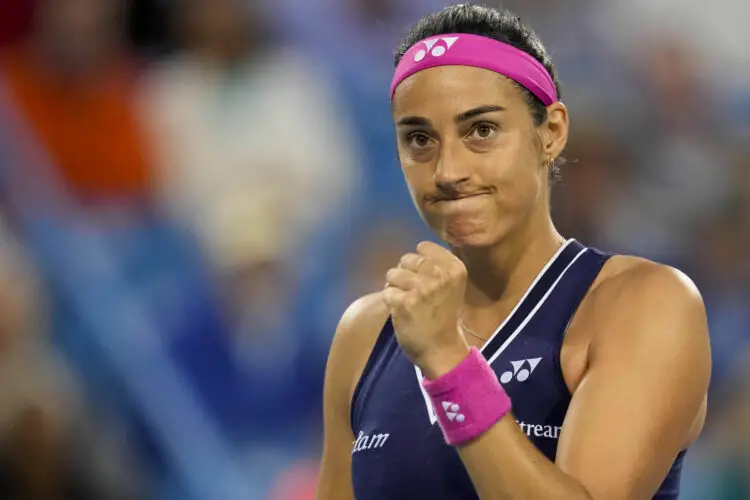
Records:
x=424, y=294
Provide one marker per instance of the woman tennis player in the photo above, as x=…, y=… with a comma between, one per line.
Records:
x=593, y=386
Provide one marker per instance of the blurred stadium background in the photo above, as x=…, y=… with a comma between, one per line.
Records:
x=192, y=191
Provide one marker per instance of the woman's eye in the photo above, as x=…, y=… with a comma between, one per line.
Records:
x=418, y=140
x=483, y=131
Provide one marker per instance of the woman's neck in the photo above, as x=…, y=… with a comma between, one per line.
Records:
x=498, y=276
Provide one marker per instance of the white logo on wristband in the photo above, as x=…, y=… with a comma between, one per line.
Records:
x=451, y=411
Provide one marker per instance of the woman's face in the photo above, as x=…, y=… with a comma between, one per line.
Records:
x=475, y=162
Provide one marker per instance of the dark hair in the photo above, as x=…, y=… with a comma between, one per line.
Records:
x=499, y=24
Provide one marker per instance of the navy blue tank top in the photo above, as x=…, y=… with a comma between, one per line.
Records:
x=399, y=452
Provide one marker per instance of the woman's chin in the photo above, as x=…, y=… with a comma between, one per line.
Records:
x=469, y=237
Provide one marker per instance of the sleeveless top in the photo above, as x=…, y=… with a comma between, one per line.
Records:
x=399, y=451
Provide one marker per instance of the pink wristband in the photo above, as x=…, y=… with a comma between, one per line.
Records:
x=468, y=399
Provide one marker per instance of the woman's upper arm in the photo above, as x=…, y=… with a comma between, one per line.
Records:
x=643, y=391
x=355, y=336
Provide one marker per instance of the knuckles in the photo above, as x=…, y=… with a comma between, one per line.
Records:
x=405, y=260
x=410, y=301
x=408, y=289
x=427, y=246
x=434, y=270
x=391, y=274
x=388, y=296
x=457, y=272
x=425, y=288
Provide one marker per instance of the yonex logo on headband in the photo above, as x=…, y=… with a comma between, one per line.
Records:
x=463, y=49
x=438, y=50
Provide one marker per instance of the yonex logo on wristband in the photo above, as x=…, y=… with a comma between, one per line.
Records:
x=469, y=397
x=451, y=411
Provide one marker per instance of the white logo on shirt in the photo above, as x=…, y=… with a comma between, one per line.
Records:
x=520, y=373
x=539, y=430
x=365, y=442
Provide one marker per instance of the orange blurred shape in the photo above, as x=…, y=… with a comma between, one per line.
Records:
x=298, y=482
x=89, y=127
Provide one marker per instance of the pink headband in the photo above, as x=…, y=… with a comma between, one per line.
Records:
x=460, y=49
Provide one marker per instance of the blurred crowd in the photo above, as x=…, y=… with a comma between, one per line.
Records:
x=192, y=191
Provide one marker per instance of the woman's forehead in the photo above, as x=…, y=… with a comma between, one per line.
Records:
x=453, y=89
